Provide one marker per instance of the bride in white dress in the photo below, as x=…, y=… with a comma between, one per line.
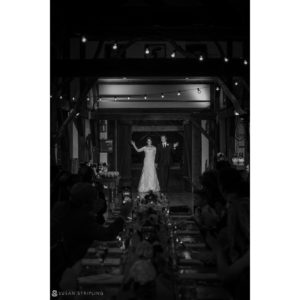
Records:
x=148, y=181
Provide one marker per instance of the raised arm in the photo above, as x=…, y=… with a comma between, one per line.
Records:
x=136, y=148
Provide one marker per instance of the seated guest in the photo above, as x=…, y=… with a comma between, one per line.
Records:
x=212, y=210
x=87, y=174
x=80, y=227
x=233, y=262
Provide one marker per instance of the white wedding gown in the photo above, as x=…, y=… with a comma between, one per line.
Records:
x=149, y=180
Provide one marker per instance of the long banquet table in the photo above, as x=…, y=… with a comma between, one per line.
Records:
x=160, y=254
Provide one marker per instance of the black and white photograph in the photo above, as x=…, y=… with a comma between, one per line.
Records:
x=150, y=150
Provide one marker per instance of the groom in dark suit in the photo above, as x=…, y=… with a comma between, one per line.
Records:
x=163, y=161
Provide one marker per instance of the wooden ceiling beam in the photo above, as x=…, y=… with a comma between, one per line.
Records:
x=147, y=67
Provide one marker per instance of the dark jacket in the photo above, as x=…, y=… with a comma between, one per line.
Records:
x=164, y=156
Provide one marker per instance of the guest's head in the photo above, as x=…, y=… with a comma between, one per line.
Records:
x=149, y=141
x=163, y=138
x=86, y=173
x=83, y=197
x=230, y=182
x=209, y=180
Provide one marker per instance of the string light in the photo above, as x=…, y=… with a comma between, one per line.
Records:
x=60, y=97
x=173, y=54
x=236, y=83
x=147, y=51
x=245, y=62
x=226, y=59
x=236, y=113
x=146, y=96
x=83, y=39
x=201, y=58
x=217, y=88
x=115, y=46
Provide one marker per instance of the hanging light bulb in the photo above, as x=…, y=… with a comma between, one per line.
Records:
x=198, y=91
x=173, y=54
x=73, y=98
x=77, y=114
x=217, y=88
x=236, y=113
x=178, y=93
x=87, y=99
x=147, y=51
x=83, y=39
x=60, y=97
x=201, y=58
x=145, y=97
x=162, y=95
x=245, y=62
x=236, y=83
x=226, y=59
x=115, y=46
x=128, y=98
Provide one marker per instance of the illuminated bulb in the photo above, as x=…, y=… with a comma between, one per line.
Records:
x=226, y=59
x=128, y=98
x=115, y=98
x=115, y=46
x=73, y=98
x=77, y=114
x=60, y=97
x=236, y=113
x=173, y=54
x=201, y=58
x=236, y=83
x=245, y=62
x=145, y=97
x=199, y=91
x=187, y=78
x=178, y=93
x=217, y=88
x=162, y=95
x=83, y=39
x=87, y=99
x=147, y=51
x=100, y=99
